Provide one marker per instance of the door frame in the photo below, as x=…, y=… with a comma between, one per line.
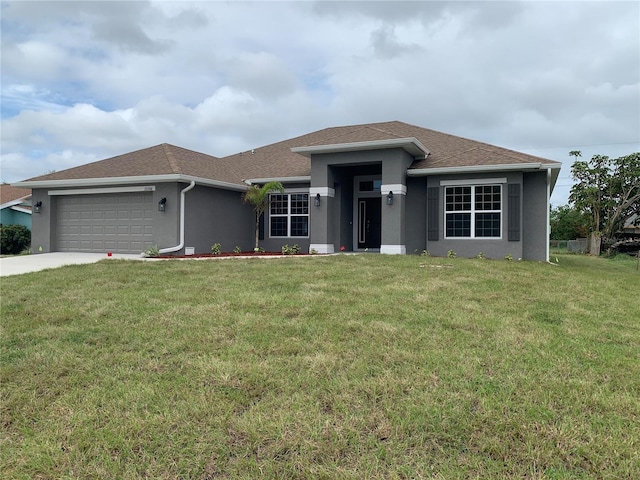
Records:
x=357, y=195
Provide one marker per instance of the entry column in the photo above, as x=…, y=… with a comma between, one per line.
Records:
x=393, y=211
x=321, y=228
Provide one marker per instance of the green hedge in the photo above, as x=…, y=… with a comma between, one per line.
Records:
x=14, y=239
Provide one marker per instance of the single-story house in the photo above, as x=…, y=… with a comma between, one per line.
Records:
x=15, y=205
x=384, y=187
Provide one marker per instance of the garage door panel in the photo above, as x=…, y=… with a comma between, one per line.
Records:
x=138, y=246
x=120, y=222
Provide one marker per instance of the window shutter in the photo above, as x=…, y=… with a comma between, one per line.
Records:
x=514, y=212
x=261, y=227
x=433, y=214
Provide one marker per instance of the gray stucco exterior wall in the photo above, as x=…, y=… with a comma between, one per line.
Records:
x=332, y=222
x=470, y=247
x=166, y=225
x=218, y=216
x=42, y=223
x=534, y=216
x=215, y=215
x=415, y=215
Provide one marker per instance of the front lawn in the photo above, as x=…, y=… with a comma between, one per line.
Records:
x=347, y=366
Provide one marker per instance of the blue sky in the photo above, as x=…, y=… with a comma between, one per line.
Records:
x=83, y=81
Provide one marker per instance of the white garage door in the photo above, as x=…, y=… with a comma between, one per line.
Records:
x=113, y=222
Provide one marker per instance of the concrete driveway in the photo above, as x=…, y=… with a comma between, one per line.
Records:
x=41, y=261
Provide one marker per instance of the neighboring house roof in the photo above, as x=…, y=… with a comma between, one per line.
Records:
x=11, y=196
x=632, y=223
x=433, y=151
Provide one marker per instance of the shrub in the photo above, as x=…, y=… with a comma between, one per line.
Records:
x=481, y=256
x=152, y=251
x=216, y=249
x=293, y=250
x=508, y=257
x=451, y=254
x=425, y=253
x=14, y=239
x=237, y=249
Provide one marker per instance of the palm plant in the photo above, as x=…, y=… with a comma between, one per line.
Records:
x=258, y=198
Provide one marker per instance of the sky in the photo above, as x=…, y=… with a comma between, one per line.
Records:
x=84, y=81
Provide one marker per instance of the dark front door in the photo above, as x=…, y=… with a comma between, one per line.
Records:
x=369, y=213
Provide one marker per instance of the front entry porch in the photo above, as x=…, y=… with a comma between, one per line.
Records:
x=359, y=206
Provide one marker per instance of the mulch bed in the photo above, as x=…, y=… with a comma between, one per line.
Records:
x=233, y=254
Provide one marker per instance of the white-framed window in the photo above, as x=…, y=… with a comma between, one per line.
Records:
x=473, y=211
x=289, y=215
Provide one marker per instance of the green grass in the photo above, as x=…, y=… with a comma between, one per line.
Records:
x=345, y=367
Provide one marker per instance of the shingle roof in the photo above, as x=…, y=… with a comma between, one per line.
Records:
x=278, y=161
x=163, y=159
x=9, y=193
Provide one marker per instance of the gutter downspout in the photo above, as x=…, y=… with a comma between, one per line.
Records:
x=181, y=244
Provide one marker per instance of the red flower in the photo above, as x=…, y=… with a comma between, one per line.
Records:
x=342, y=249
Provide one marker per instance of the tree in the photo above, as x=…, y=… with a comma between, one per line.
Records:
x=258, y=198
x=568, y=223
x=608, y=190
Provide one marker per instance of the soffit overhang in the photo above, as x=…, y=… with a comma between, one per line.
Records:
x=110, y=181
x=552, y=168
x=410, y=144
x=260, y=181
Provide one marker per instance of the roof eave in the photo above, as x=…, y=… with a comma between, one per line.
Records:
x=410, y=144
x=21, y=209
x=554, y=169
x=421, y=172
x=130, y=180
x=299, y=179
x=12, y=203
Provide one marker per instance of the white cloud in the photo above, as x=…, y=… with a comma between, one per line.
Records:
x=85, y=80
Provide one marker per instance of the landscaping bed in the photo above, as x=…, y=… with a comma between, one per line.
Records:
x=233, y=254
